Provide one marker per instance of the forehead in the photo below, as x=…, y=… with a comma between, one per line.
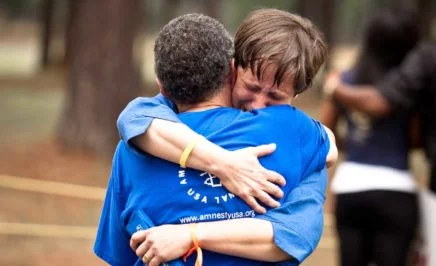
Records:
x=266, y=79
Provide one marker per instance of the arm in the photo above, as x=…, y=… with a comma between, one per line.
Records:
x=332, y=155
x=366, y=99
x=239, y=171
x=290, y=231
x=399, y=90
x=329, y=116
x=246, y=237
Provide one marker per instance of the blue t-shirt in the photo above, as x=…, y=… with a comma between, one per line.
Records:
x=200, y=197
x=382, y=141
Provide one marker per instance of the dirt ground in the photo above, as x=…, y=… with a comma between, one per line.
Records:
x=38, y=224
x=29, y=217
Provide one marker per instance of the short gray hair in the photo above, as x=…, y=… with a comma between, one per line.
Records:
x=193, y=55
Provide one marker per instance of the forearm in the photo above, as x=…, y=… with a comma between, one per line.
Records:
x=364, y=99
x=248, y=238
x=332, y=155
x=239, y=171
x=167, y=140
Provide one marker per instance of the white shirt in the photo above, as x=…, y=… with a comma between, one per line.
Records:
x=357, y=177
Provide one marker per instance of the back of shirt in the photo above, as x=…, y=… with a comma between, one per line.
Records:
x=413, y=87
x=383, y=141
x=170, y=194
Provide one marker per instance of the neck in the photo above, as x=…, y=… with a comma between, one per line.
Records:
x=223, y=98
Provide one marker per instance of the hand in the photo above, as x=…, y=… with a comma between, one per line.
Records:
x=161, y=243
x=243, y=175
x=332, y=81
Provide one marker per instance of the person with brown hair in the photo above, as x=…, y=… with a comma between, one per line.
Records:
x=265, y=79
x=262, y=79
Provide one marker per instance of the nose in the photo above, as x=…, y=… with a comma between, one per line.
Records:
x=258, y=102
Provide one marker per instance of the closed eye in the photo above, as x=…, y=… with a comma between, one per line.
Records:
x=252, y=88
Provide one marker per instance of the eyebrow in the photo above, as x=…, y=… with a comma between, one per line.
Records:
x=276, y=92
x=256, y=86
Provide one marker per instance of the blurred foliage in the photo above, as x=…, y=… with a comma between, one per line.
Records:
x=19, y=8
x=350, y=15
x=235, y=11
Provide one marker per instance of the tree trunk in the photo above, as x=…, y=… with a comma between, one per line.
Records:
x=102, y=77
x=322, y=14
x=212, y=8
x=425, y=9
x=169, y=10
x=68, y=40
x=46, y=32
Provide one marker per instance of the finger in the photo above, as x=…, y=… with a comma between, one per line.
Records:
x=275, y=178
x=136, y=239
x=272, y=189
x=142, y=249
x=154, y=262
x=147, y=258
x=264, y=150
x=251, y=201
x=267, y=199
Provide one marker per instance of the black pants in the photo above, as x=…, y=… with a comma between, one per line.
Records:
x=376, y=226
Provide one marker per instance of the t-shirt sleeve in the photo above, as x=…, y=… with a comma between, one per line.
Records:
x=314, y=144
x=298, y=222
x=402, y=85
x=112, y=243
x=139, y=113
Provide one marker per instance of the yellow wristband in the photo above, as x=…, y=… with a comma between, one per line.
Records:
x=185, y=154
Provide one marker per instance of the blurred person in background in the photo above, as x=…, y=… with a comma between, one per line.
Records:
x=376, y=201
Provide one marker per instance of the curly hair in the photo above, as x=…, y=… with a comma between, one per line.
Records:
x=193, y=54
x=291, y=42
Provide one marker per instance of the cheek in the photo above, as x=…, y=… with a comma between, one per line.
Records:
x=239, y=94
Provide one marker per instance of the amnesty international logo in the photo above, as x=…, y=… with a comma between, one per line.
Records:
x=211, y=180
x=209, y=191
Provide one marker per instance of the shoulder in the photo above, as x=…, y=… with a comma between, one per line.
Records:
x=423, y=57
x=276, y=112
x=427, y=48
x=145, y=102
x=428, y=52
x=288, y=119
x=282, y=114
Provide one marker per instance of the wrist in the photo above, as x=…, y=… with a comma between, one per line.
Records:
x=199, y=233
x=218, y=162
x=329, y=91
x=196, y=245
x=331, y=86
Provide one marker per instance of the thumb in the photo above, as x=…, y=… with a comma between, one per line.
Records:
x=263, y=150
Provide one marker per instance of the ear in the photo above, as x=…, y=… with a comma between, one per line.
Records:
x=161, y=88
x=233, y=73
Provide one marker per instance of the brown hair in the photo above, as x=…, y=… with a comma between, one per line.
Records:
x=291, y=42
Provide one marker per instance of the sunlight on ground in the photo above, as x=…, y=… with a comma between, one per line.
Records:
x=19, y=60
x=29, y=114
